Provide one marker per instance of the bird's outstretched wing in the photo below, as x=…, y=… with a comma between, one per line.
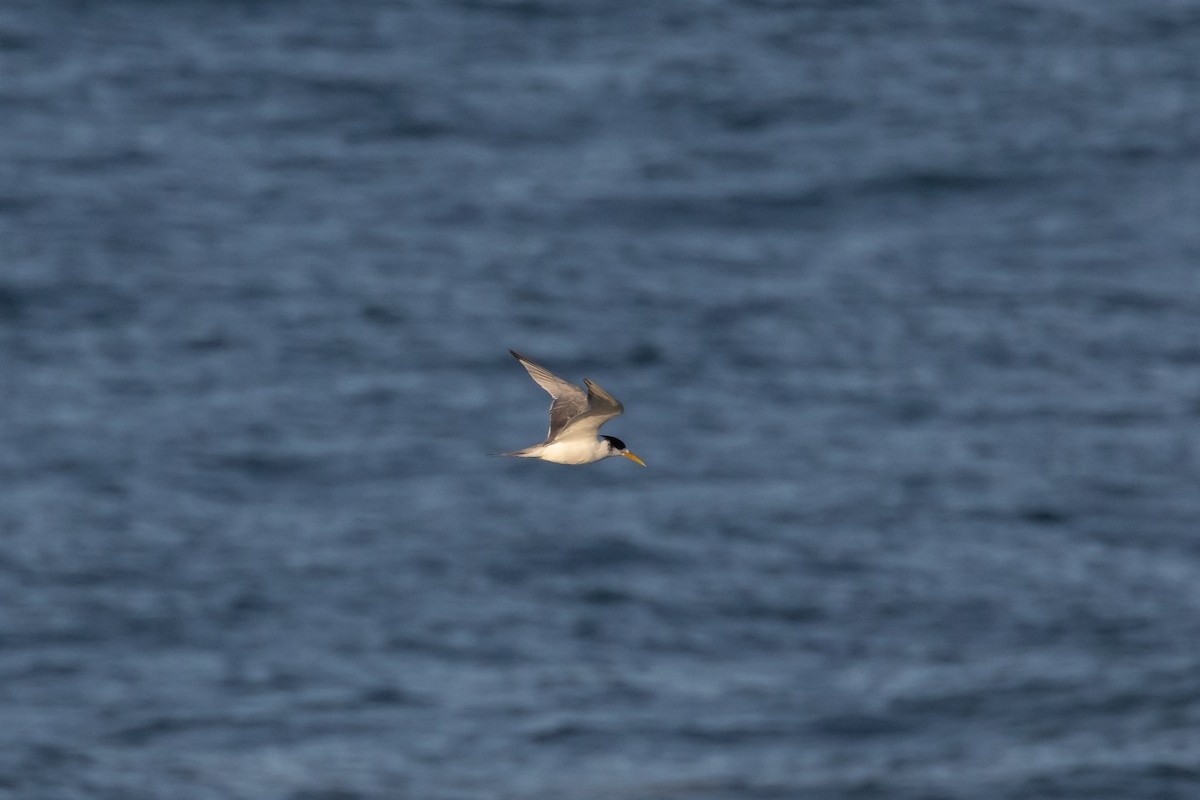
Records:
x=601, y=407
x=569, y=400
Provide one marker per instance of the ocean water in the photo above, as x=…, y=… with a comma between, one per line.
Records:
x=902, y=300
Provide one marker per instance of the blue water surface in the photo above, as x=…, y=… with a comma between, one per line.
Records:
x=902, y=300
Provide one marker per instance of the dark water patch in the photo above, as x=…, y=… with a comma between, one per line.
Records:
x=107, y=161
x=391, y=696
x=46, y=668
x=1187, y=774
x=1119, y=486
x=264, y=464
x=1159, y=25
x=370, y=92
x=1184, y=355
x=88, y=303
x=1141, y=152
x=166, y=726
x=212, y=342
x=563, y=731
x=406, y=124
x=725, y=159
x=739, y=115
x=131, y=389
x=757, y=610
x=1104, y=781
x=384, y=315
x=16, y=206
x=912, y=409
x=12, y=304
x=66, y=633
x=994, y=702
x=725, y=788
x=601, y=555
x=645, y=355
x=859, y=726
x=532, y=10
x=45, y=756
x=1044, y=516
x=1142, y=301
x=589, y=630
x=328, y=794
x=376, y=110
x=733, y=734
x=12, y=41
x=928, y=183
x=245, y=604
x=747, y=210
x=605, y=596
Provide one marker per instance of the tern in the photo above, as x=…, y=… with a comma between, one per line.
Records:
x=575, y=420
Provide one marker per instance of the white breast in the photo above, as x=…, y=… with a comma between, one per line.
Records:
x=575, y=451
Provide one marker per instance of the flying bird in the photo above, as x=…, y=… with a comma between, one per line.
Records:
x=575, y=420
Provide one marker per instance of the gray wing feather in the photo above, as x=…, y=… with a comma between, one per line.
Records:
x=602, y=407
x=601, y=403
x=569, y=400
x=572, y=413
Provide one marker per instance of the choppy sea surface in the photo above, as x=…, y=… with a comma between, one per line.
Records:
x=902, y=299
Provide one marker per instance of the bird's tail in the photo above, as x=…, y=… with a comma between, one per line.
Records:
x=528, y=452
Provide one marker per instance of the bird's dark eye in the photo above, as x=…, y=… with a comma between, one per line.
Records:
x=615, y=442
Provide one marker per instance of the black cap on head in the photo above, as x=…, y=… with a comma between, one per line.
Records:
x=615, y=442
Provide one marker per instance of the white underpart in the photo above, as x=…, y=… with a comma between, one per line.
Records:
x=571, y=451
